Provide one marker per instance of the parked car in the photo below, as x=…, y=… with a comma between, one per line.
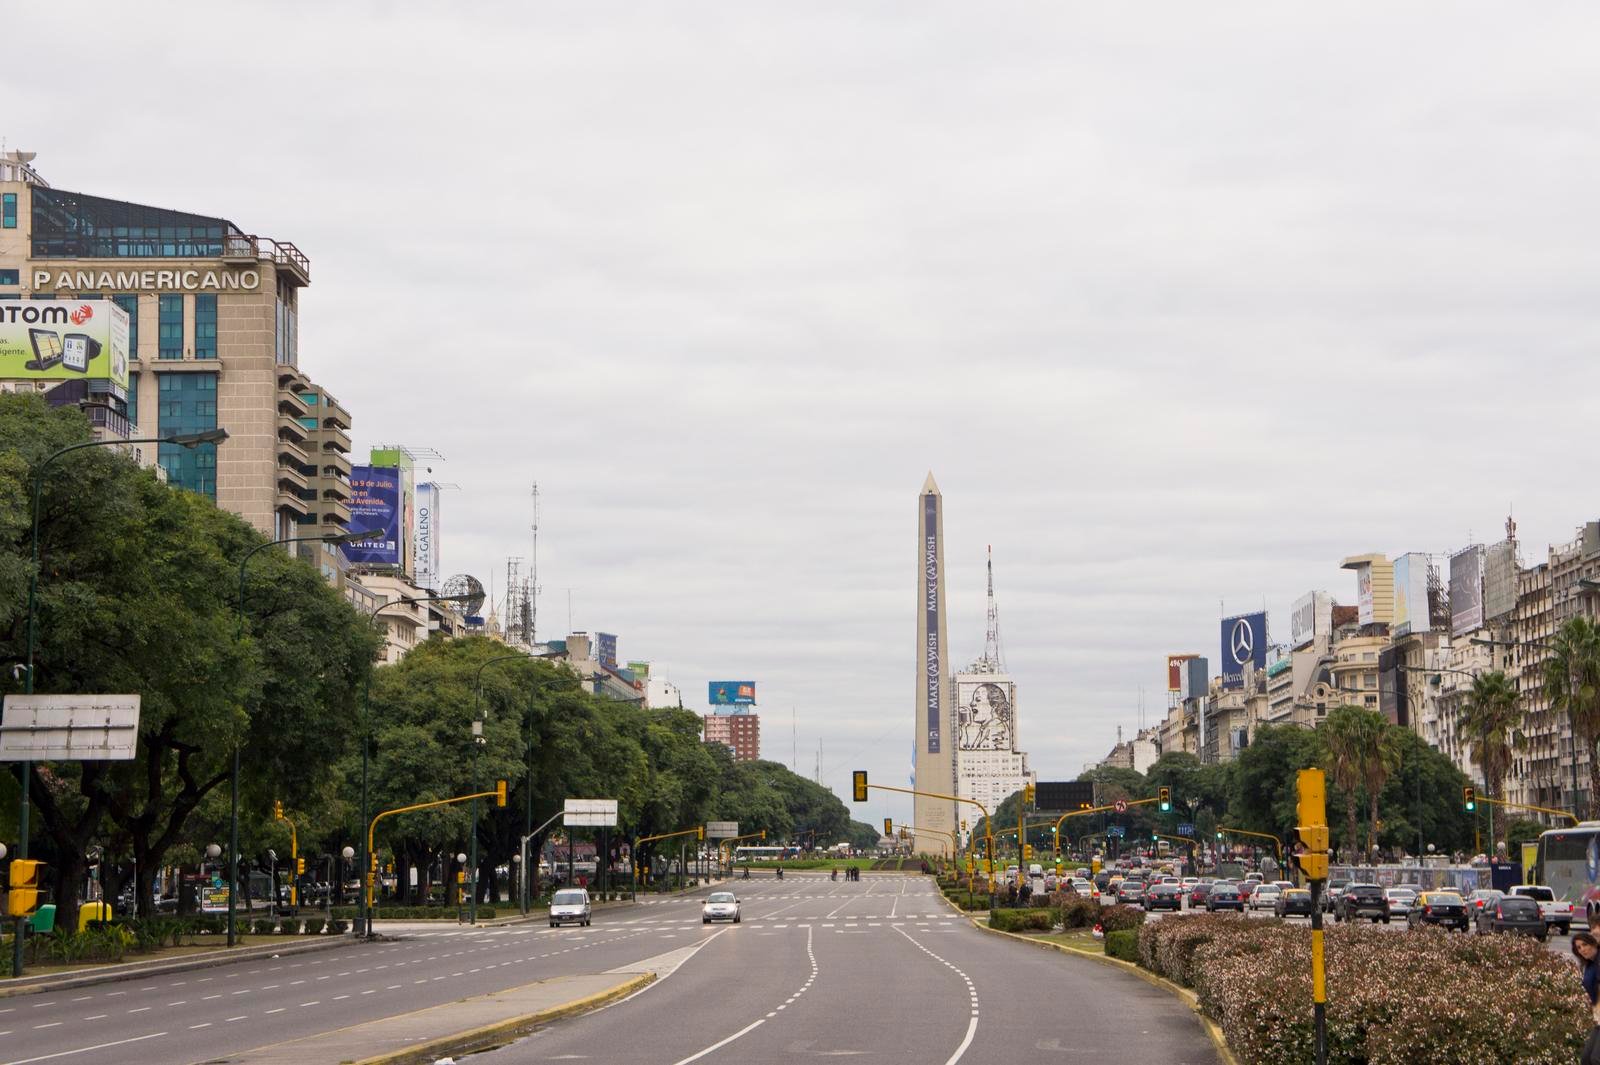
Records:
x=1293, y=902
x=1224, y=896
x=720, y=906
x=1363, y=900
x=1163, y=897
x=1265, y=897
x=1401, y=900
x=1557, y=912
x=570, y=904
x=1444, y=908
x=1513, y=913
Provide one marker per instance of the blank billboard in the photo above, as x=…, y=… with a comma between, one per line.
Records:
x=1499, y=580
x=1466, y=590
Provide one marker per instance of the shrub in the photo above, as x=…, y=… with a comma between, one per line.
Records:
x=289, y=926
x=263, y=926
x=486, y=913
x=1120, y=918
x=337, y=927
x=314, y=926
x=1123, y=944
x=1078, y=912
x=1029, y=920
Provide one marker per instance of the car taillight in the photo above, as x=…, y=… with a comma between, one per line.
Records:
x=1427, y=909
x=1498, y=912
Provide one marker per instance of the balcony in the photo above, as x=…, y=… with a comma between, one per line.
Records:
x=292, y=450
x=248, y=248
x=290, y=501
x=336, y=511
x=291, y=429
x=291, y=403
x=333, y=460
x=290, y=478
x=333, y=412
x=290, y=379
x=334, y=437
x=334, y=488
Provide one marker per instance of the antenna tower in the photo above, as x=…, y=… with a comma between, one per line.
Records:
x=993, y=660
x=533, y=577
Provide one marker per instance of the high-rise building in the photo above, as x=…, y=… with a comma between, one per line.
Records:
x=990, y=763
x=935, y=748
x=213, y=341
x=739, y=732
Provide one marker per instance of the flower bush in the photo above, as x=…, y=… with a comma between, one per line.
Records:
x=1120, y=918
x=1029, y=920
x=1393, y=999
x=1077, y=911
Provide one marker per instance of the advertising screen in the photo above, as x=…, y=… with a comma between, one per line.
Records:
x=425, y=539
x=63, y=340
x=606, y=649
x=1499, y=580
x=1312, y=616
x=1061, y=796
x=1411, y=593
x=732, y=692
x=1244, y=643
x=985, y=715
x=375, y=505
x=1175, y=671
x=1466, y=590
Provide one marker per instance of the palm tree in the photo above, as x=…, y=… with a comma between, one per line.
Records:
x=1491, y=718
x=1341, y=731
x=1381, y=760
x=1572, y=683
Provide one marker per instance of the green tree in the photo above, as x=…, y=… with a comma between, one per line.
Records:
x=1424, y=793
x=1491, y=719
x=1262, y=796
x=1356, y=757
x=1572, y=684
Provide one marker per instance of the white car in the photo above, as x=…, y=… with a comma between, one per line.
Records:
x=1557, y=913
x=1265, y=897
x=570, y=904
x=1084, y=887
x=1401, y=899
x=720, y=906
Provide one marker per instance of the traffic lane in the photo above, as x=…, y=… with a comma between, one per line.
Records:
x=724, y=990
x=193, y=1017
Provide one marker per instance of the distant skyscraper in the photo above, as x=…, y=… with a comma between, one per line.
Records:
x=935, y=744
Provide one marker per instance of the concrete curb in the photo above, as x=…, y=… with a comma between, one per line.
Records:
x=1183, y=994
x=540, y=914
x=13, y=987
x=481, y=1038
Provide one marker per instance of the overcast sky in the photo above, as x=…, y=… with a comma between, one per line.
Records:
x=1180, y=304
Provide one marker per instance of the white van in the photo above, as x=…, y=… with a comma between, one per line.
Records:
x=1035, y=870
x=570, y=904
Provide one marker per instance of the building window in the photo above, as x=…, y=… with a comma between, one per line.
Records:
x=41, y=296
x=169, y=325
x=205, y=326
x=133, y=399
x=9, y=277
x=130, y=303
x=10, y=210
x=189, y=405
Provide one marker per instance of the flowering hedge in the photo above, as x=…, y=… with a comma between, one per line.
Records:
x=1120, y=918
x=1393, y=999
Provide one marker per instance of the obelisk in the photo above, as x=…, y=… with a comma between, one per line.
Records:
x=935, y=739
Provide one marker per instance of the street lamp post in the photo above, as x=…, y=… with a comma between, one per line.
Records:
x=233, y=815
x=188, y=440
x=477, y=743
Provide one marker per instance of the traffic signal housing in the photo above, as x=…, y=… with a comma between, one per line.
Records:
x=859, y=785
x=1027, y=852
x=1311, y=831
x=1027, y=794
x=24, y=884
x=888, y=826
x=277, y=809
x=1165, y=795
x=1469, y=799
x=499, y=793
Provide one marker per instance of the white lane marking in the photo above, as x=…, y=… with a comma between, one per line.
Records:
x=85, y=1050
x=972, y=992
x=192, y=1027
x=241, y=1017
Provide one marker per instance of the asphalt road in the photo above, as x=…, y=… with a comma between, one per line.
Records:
x=880, y=969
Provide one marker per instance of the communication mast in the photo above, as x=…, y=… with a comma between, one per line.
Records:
x=993, y=660
x=533, y=577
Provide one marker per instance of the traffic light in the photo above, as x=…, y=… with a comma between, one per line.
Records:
x=859, y=780
x=299, y=867
x=1027, y=852
x=499, y=793
x=1311, y=831
x=700, y=833
x=763, y=835
x=888, y=826
x=25, y=877
x=277, y=810
x=1469, y=799
x=1165, y=795
x=1219, y=835
x=1027, y=794
x=1155, y=837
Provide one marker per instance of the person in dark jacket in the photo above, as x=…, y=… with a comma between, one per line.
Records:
x=1586, y=948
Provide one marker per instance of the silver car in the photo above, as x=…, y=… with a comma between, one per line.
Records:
x=1401, y=899
x=720, y=906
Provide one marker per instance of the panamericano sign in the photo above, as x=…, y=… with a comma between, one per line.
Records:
x=208, y=279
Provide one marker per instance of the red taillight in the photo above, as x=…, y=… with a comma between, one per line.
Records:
x=1497, y=912
x=1427, y=909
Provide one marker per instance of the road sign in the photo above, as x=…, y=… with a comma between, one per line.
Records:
x=1122, y=806
x=1186, y=829
x=45, y=728
x=1119, y=831
x=721, y=829
x=590, y=813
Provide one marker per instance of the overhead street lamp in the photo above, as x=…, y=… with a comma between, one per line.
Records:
x=188, y=440
x=477, y=743
x=366, y=745
x=233, y=816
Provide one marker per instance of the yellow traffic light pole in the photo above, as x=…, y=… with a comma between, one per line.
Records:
x=734, y=842
x=699, y=832
x=294, y=859
x=1311, y=832
x=1276, y=842
x=498, y=795
x=859, y=782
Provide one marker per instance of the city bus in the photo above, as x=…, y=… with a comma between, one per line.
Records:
x=742, y=853
x=1569, y=865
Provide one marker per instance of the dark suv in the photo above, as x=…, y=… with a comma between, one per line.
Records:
x=1362, y=900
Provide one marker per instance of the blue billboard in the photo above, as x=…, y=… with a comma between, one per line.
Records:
x=733, y=693
x=1244, y=642
x=375, y=505
x=606, y=649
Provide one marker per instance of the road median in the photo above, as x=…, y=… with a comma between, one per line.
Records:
x=89, y=976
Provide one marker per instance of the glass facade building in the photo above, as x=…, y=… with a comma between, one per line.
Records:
x=70, y=225
x=188, y=405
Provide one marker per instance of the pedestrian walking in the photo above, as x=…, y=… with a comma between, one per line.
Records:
x=1586, y=948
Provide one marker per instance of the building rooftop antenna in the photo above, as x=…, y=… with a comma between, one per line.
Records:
x=993, y=660
x=533, y=575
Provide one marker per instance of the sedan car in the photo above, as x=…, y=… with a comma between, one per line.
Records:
x=720, y=906
x=1224, y=896
x=1363, y=900
x=1198, y=895
x=1444, y=908
x=1293, y=902
x=1513, y=913
x=1265, y=897
x=1401, y=899
x=1163, y=897
x=1481, y=898
x=1130, y=891
x=1084, y=887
